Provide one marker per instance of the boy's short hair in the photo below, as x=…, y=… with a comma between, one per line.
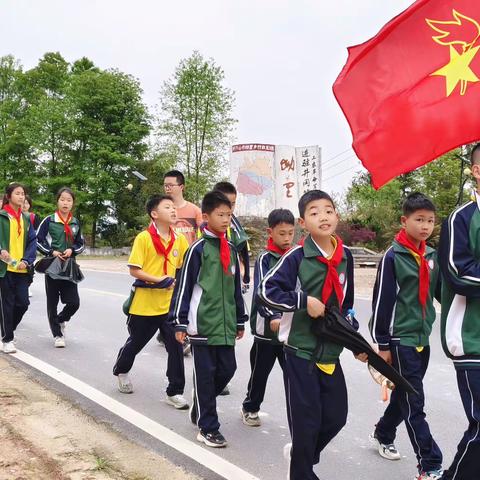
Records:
x=153, y=202
x=177, y=174
x=475, y=149
x=417, y=201
x=225, y=187
x=280, y=215
x=213, y=200
x=311, y=196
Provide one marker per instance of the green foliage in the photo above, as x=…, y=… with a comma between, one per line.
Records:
x=381, y=210
x=196, y=121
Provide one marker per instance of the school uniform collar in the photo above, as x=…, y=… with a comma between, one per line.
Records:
x=57, y=218
x=312, y=249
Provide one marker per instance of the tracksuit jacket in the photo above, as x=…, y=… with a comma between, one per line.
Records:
x=397, y=315
x=237, y=235
x=297, y=275
x=208, y=303
x=459, y=256
x=29, y=240
x=51, y=236
x=260, y=316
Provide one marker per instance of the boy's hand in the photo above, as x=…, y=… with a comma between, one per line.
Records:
x=386, y=355
x=275, y=325
x=5, y=256
x=240, y=334
x=67, y=253
x=56, y=253
x=180, y=337
x=315, y=307
x=22, y=266
x=363, y=357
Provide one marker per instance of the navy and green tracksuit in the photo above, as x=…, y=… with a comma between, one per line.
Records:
x=398, y=324
x=209, y=307
x=266, y=347
x=51, y=237
x=316, y=400
x=14, y=300
x=459, y=254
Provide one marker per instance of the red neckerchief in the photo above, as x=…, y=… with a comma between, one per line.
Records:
x=17, y=215
x=423, y=270
x=224, y=249
x=159, y=246
x=272, y=247
x=66, y=225
x=332, y=281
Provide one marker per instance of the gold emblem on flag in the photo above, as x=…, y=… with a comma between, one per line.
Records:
x=461, y=36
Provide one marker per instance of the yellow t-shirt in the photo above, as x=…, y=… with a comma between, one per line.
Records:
x=16, y=250
x=155, y=301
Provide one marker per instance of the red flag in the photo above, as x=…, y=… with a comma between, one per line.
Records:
x=411, y=93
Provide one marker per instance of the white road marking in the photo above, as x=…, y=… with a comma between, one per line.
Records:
x=105, y=292
x=199, y=454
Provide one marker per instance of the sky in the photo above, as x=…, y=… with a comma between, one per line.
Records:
x=280, y=57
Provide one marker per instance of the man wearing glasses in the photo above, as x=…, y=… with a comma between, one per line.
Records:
x=189, y=216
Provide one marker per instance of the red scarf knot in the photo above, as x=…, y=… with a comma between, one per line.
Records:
x=17, y=215
x=66, y=225
x=332, y=280
x=159, y=246
x=272, y=247
x=423, y=268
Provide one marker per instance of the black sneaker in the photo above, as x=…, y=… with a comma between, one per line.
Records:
x=193, y=412
x=212, y=439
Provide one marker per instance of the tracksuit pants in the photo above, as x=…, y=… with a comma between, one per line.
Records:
x=67, y=293
x=410, y=408
x=213, y=368
x=263, y=355
x=317, y=409
x=141, y=329
x=466, y=464
x=14, y=302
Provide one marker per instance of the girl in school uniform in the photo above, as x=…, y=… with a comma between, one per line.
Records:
x=59, y=235
x=18, y=246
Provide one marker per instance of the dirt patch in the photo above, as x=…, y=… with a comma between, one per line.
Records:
x=364, y=281
x=44, y=437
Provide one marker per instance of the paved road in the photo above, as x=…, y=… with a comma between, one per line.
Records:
x=98, y=330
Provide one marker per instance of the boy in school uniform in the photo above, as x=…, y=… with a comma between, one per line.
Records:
x=459, y=255
x=401, y=323
x=264, y=323
x=306, y=279
x=209, y=308
x=236, y=233
x=156, y=257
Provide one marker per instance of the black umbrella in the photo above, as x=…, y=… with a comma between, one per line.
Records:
x=335, y=328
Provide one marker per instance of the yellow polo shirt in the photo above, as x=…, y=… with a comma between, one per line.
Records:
x=155, y=301
x=16, y=247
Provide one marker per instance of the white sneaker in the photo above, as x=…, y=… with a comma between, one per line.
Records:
x=124, y=383
x=250, y=418
x=386, y=450
x=432, y=475
x=59, y=342
x=177, y=401
x=9, y=347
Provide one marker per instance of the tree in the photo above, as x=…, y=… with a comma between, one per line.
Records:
x=196, y=121
x=15, y=155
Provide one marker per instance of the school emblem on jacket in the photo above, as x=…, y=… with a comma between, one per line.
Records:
x=74, y=229
x=341, y=278
x=431, y=264
x=232, y=269
x=175, y=252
